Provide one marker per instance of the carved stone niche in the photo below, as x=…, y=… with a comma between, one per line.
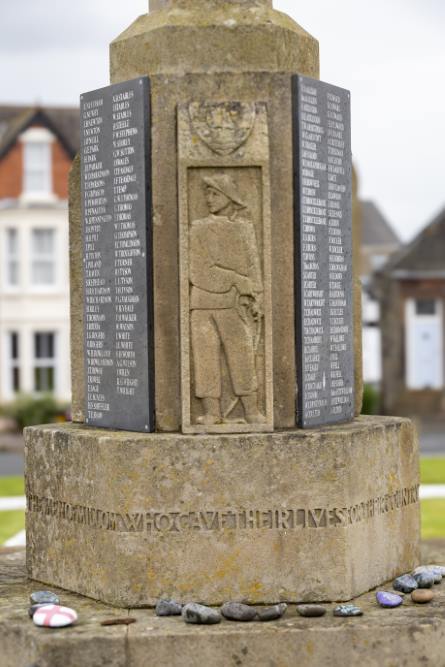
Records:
x=225, y=267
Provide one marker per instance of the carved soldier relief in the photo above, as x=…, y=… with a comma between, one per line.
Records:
x=225, y=269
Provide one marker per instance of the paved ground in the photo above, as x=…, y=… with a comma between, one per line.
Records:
x=432, y=437
x=408, y=636
x=11, y=464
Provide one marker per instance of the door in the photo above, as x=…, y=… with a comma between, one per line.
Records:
x=424, y=349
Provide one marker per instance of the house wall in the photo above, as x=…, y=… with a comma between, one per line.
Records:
x=397, y=398
x=27, y=309
x=11, y=173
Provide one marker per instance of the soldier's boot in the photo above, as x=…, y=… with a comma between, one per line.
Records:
x=212, y=412
x=251, y=411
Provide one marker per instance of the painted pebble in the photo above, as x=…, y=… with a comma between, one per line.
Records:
x=425, y=579
x=346, y=610
x=54, y=616
x=199, y=614
x=44, y=597
x=311, y=610
x=272, y=613
x=388, y=600
x=168, y=608
x=422, y=596
x=236, y=611
x=32, y=610
x=405, y=584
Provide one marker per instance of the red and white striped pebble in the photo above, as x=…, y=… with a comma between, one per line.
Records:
x=54, y=616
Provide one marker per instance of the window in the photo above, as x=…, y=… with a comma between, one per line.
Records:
x=377, y=261
x=37, y=176
x=43, y=257
x=425, y=307
x=14, y=361
x=44, y=362
x=12, y=257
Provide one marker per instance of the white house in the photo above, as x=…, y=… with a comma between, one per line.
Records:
x=36, y=149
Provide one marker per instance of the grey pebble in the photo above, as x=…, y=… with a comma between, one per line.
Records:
x=44, y=597
x=347, y=610
x=425, y=579
x=405, y=584
x=311, y=610
x=236, y=611
x=437, y=569
x=272, y=613
x=200, y=614
x=168, y=608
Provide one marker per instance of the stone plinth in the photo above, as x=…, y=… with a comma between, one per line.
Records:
x=295, y=515
x=409, y=635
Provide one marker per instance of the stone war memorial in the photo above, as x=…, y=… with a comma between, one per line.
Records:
x=216, y=451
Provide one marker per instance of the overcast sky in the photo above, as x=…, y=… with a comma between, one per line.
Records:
x=389, y=53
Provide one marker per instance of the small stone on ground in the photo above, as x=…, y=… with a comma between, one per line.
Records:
x=311, y=610
x=236, y=611
x=405, y=584
x=44, y=597
x=200, y=614
x=425, y=579
x=54, y=616
x=168, y=608
x=388, y=600
x=422, y=595
x=272, y=613
x=346, y=610
x=32, y=610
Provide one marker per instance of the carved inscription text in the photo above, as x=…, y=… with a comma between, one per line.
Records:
x=230, y=519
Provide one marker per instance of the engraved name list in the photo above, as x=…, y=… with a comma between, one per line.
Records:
x=117, y=256
x=323, y=252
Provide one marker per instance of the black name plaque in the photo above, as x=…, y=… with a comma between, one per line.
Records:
x=117, y=256
x=323, y=253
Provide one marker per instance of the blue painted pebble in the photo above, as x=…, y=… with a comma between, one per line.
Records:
x=346, y=610
x=405, y=584
x=388, y=600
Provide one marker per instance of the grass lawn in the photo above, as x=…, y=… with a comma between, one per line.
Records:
x=11, y=523
x=12, y=486
x=432, y=471
x=433, y=518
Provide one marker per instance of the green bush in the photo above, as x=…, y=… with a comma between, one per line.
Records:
x=30, y=410
x=371, y=400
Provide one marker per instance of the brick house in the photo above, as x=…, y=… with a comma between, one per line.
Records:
x=37, y=146
x=411, y=290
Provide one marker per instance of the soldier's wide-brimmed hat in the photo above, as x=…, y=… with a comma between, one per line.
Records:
x=227, y=186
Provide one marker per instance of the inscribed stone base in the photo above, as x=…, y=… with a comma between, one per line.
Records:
x=410, y=635
x=289, y=516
